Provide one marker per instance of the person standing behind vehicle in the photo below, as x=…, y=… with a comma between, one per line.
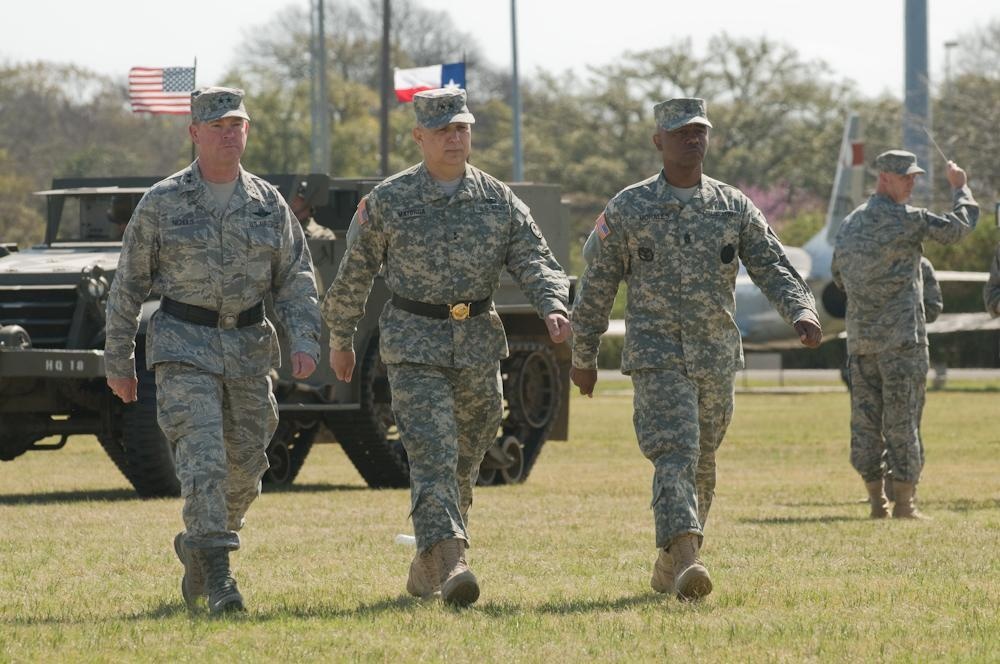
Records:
x=876, y=262
x=991, y=291
x=214, y=241
x=677, y=239
x=443, y=231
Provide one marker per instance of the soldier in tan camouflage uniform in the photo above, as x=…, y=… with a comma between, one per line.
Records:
x=214, y=241
x=991, y=291
x=876, y=261
x=443, y=231
x=676, y=239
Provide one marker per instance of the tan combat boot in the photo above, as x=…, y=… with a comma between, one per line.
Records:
x=904, y=508
x=691, y=580
x=663, y=573
x=193, y=581
x=423, y=581
x=877, y=499
x=458, y=583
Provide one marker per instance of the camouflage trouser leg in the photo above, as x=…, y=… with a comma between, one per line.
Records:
x=478, y=411
x=669, y=412
x=251, y=417
x=715, y=411
x=431, y=404
x=219, y=429
x=887, y=402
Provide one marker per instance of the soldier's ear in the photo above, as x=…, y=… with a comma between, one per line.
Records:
x=656, y=142
x=418, y=136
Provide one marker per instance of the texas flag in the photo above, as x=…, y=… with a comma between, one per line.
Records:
x=409, y=82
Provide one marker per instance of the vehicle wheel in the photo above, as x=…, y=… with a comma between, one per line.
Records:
x=512, y=450
x=532, y=389
x=369, y=436
x=287, y=452
x=140, y=450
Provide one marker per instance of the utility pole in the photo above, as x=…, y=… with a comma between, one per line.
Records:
x=516, y=96
x=384, y=112
x=320, y=114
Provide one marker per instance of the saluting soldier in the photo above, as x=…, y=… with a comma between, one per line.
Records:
x=214, y=241
x=677, y=239
x=876, y=261
x=443, y=231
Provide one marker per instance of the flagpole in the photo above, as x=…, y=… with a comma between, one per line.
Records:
x=384, y=112
x=194, y=84
x=516, y=96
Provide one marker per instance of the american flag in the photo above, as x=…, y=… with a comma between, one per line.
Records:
x=160, y=89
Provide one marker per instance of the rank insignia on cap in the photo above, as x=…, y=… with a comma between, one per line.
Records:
x=601, y=226
x=362, y=212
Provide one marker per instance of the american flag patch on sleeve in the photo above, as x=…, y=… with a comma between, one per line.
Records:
x=362, y=212
x=601, y=226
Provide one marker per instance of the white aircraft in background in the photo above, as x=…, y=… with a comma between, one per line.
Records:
x=762, y=328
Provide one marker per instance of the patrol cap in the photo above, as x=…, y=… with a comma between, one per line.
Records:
x=440, y=107
x=212, y=103
x=676, y=113
x=899, y=162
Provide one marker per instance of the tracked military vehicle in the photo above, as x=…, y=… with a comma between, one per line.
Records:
x=52, y=383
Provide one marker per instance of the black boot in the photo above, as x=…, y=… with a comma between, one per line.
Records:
x=223, y=595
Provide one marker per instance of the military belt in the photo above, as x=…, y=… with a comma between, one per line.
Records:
x=458, y=311
x=211, y=318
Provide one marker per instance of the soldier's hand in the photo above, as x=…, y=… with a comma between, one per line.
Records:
x=558, y=326
x=124, y=388
x=956, y=176
x=810, y=333
x=302, y=365
x=585, y=379
x=342, y=363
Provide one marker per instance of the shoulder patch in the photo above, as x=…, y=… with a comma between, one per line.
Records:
x=535, y=230
x=362, y=212
x=601, y=227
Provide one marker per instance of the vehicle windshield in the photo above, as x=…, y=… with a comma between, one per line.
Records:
x=92, y=217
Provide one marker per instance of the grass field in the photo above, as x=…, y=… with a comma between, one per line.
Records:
x=564, y=560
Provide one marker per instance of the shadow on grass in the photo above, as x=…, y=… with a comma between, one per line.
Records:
x=795, y=520
x=53, y=497
x=120, y=495
x=402, y=603
x=312, y=487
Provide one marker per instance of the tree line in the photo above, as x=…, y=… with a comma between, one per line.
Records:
x=778, y=119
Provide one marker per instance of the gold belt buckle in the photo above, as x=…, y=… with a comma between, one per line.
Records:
x=228, y=321
x=459, y=311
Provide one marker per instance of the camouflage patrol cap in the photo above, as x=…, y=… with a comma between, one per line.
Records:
x=209, y=104
x=899, y=162
x=676, y=113
x=440, y=107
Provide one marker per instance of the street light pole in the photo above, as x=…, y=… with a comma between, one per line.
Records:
x=516, y=96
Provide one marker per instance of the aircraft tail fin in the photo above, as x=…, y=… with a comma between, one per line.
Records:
x=848, y=182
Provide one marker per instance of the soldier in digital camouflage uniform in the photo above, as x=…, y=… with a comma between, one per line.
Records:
x=991, y=291
x=677, y=239
x=933, y=300
x=214, y=241
x=443, y=231
x=876, y=261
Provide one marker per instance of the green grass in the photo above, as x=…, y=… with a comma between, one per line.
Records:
x=800, y=573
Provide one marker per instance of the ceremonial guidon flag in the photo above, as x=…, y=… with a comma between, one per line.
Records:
x=160, y=89
x=409, y=82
